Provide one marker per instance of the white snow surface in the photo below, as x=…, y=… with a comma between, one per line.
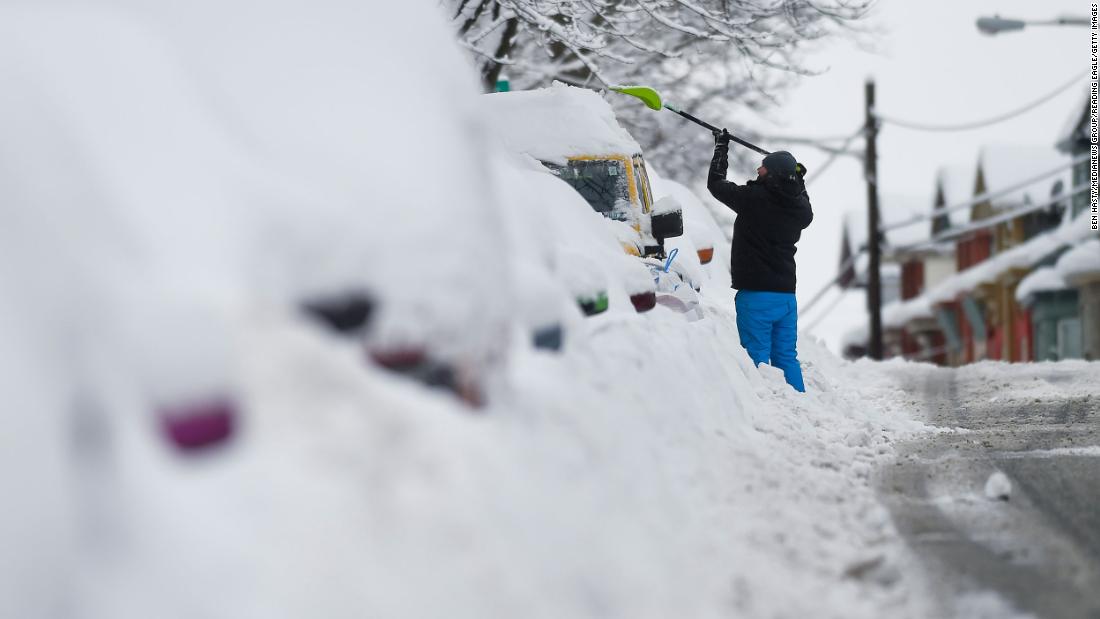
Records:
x=650, y=471
x=551, y=124
x=998, y=487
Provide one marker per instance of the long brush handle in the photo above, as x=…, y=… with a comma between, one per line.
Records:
x=707, y=125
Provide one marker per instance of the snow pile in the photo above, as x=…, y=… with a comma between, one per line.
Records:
x=572, y=122
x=1020, y=385
x=1082, y=262
x=998, y=487
x=1043, y=279
x=650, y=471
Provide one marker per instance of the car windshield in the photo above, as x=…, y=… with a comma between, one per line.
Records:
x=602, y=182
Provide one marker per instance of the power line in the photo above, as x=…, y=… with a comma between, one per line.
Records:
x=984, y=123
x=953, y=233
x=988, y=195
x=836, y=154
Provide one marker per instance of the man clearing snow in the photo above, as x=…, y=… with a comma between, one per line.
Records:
x=771, y=212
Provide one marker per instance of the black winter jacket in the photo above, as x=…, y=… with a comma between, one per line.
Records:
x=770, y=220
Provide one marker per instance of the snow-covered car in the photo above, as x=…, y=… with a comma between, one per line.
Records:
x=361, y=224
x=574, y=133
x=170, y=178
x=179, y=190
x=556, y=235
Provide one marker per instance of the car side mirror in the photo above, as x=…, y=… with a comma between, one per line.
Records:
x=667, y=218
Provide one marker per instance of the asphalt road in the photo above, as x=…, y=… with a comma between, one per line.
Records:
x=1039, y=549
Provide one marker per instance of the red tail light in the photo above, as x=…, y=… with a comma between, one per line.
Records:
x=706, y=255
x=192, y=427
x=399, y=359
x=643, y=302
x=416, y=364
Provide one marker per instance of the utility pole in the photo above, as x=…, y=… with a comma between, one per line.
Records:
x=874, y=283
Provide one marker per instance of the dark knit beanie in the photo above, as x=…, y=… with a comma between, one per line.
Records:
x=781, y=163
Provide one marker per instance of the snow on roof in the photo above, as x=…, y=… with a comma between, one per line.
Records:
x=955, y=183
x=551, y=124
x=1081, y=262
x=893, y=208
x=1043, y=279
x=899, y=207
x=1025, y=255
x=896, y=314
x=1075, y=128
x=1005, y=164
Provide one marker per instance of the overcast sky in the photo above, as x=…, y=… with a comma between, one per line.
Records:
x=930, y=65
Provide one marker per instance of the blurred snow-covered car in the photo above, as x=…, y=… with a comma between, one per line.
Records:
x=168, y=178
x=361, y=223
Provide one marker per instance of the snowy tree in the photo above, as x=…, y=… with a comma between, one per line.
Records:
x=711, y=56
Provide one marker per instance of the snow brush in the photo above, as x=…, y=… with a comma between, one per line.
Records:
x=652, y=100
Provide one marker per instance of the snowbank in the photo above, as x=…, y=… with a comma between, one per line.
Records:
x=650, y=471
x=572, y=121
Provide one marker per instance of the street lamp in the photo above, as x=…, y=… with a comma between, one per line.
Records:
x=996, y=24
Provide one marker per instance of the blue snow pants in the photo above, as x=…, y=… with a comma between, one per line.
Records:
x=768, y=325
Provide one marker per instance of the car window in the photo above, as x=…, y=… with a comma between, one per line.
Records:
x=602, y=183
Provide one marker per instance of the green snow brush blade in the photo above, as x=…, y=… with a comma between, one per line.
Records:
x=650, y=97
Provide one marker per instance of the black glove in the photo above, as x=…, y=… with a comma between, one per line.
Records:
x=722, y=138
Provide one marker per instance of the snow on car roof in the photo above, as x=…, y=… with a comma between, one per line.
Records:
x=552, y=124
